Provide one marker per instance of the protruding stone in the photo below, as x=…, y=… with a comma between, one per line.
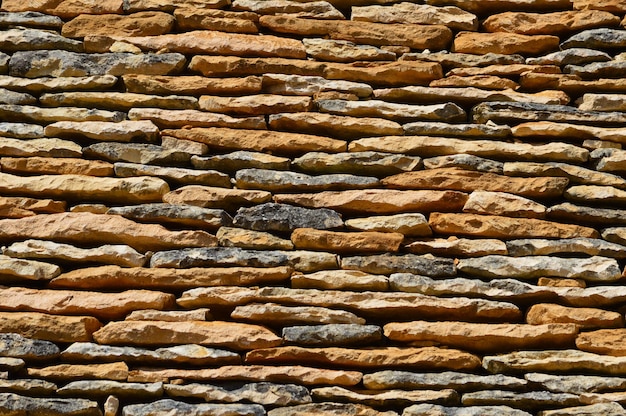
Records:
x=39, y=147
x=214, y=197
x=168, y=406
x=575, y=174
x=597, y=39
x=563, y=130
x=387, y=398
x=332, y=335
x=252, y=105
x=137, y=24
x=457, y=247
x=47, y=327
x=585, y=317
x=282, y=217
x=55, y=166
x=193, y=18
x=345, y=51
x=328, y=409
x=241, y=159
x=588, y=246
x=190, y=85
x=13, y=40
x=409, y=263
x=529, y=401
x=465, y=162
x=13, y=404
x=603, y=341
x=311, y=85
x=596, y=194
x=576, y=384
x=505, y=204
x=169, y=6
x=177, y=175
x=202, y=314
x=410, y=225
x=15, y=269
x=608, y=409
x=21, y=130
x=16, y=98
x=364, y=163
x=181, y=215
x=393, y=379
x=103, y=388
x=397, y=112
x=261, y=393
x=285, y=181
x=66, y=372
x=340, y=280
x=181, y=118
x=117, y=100
x=556, y=23
x=123, y=131
x=487, y=82
x=40, y=85
x=30, y=19
x=280, y=315
x=423, y=14
x=573, y=56
x=591, y=215
x=16, y=346
x=253, y=240
x=504, y=43
x=434, y=409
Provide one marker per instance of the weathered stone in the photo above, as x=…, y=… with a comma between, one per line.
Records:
x=190, y=85
x=181, y=215
x=556, y=23
x=340, y=280
x=541, y=247
x=280, y=315
x=13, y=40
x=522, y=112
x=16, y=346
x=428, y=358
x=591, y=215
x=457, y=247
x=252, y=105
x=393, y=379
x=260, y=141
x=181, y=354
x=425, y=146
x=214, y=197
x=13, y=365
x=608, y=409
x=597, y=39
x=117, y=100
x=28, y=387
x=563, y=130
x=39, y=147
x=193, y=18
x=492, y=226
x=576, y=384
x=16, y=98
x=37, y=115
x=435, y=37
x=53, y=328
x=387, y=398
x=503, y=70
x=21, y=130
x=561, y=282
x=396, y=112
x=344, y=51
x=261, y=393
x=379, y=201
x=363, y=163
x=71, y=64
x=602, y=102
x=530, y=401
x=507, y=204
x=77, y=227
x=12, y=269
x=193, y=148
x=315, y=9
x=282, y=217
x=13, y=404
x=596, y=70
x=572, y=84
x=311, y=85
x=483, y=338
x=328, y=409
x=450, y=60
x=386, y=264
x=609, y=160
x=121, y=255
x=604, y=398
x=614, y=6
x=123, y=131
x=30, y=19
x=242, y=159
x=450, y=16
x=253, y=240
x=433, y=409
x=181, y=118
x=573, y=56
x=410, y=225
x=170, y=5
x=103, y=388
x=202, y=314
x=340, y=242
x=575, y=174
x=136, y=24
x=177, y=175
x=285, y=181
x=332, y=335
x=585, y=317
x=258, y=373
x=40, y=85
x=18, y=207
x=504, y=43
x=67, y=372
x=603, y=341
x=168, y=406
x=464, y=161
x=487, y=82
x=607, y=195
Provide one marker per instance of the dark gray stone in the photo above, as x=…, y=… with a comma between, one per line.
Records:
x=16, y=346
x=360, y=163
x=13, y=404
x=576, y=214
x=612, y=69
x=463, y=60
x=182, y=215
x=573, y=56
x=577, y=384
x=509, y=112
x=283, y=217
x=135, y=153
x=104, y=388
x=399, y=112
x=464, y=161
x=597, y=39
x=528, y=401
x=389, y=379
x=169, y=407
x=284, y=181
x=21, y=130
x=433, y=409
x=542, y=247
x=427, y=265
x=432, y=128
x=241, y=159
x=260, y=393
x=18, y=98
x=30, y=19
x=333, y=335
x=56, y=63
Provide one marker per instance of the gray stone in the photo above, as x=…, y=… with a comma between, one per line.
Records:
x=10, y=364
x=21, y=130
x=4, y=63
x=391, y=379
x=242, y=159
x=609, y=159
x=510, y=290
x=345, y=51
x=284, y=181
x=123, y=131
x=543, y=247
x=437, y=410
x=516, y=113
x=13, y=40
x=173, y=119
x=598, y=70
x=37, y=115
x=16, y=98
x=530, y=401
x=615, y=235
x=411, y=225
x=262, y=393
x=167, y=407
x=457, y=247
x=12, y=269
x=41, y=85
x=463, y=60
x=605, y=409
x=592, y=215
x=189, y=354
x=63, y=63
x=332, y=335
x=594, y=269
x=17, y=346
x=340, y=280
x=408, y=263
x=30, y=19
x=573, y=56
x=283, y=217
x=202, y=314
x=180, y=176
x=464, y=161
x=360, y=163
x=597, y=39
x=135, y=153
x=279, y=315
x=28, y=386
x=121, y=255
x=311, y=85
x=103, y=388
x=180, y=215
x=397, y=112
x=433, y=128
x=13, y=404
x=576, y=384
x=39, y=147
x=123, y=101
x=233, y=256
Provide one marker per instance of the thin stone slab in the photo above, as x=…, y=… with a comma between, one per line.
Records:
x=433, y=409
x=457, y=247
x=488, y=82
x=450, y=60
x=556, y=23
x=252, y=105
x=262, y=393
x=41, y=85
x=15, y=269
x=317, y=9
x=216, y=197
x=48, y=327
x=587, y=215
x=329, y=409
x=587, y=318
x=410, y=225
x=466, y=162
x=504, y=43
x=593, y=71
x=68, y=372
x=167, y=407
x=121, y=255
x=123, y=131
x=311, y=85
x=19, y=207
x=65, y=64
x=172, y=119
x=332, y=335
x=594, y=194
x=123, y=101
x=427, y=358
x=597, y=39
x=428, y=265
x=603, y=341
x=603, y=398
x=398, y=112
x=169, y=6
x=21, y=130
x=607, y=409
x=575, y=174
x=202, y=314
x=249, y=239
x=13, y=404
x=37, y=115
x=16, y=346
x=609, y=160
x=193, y=18
x=397, y=379
x=487, y=6
x=241, y=159
x=368, y=241
x=544, y=247
x=614, y=6
x=192, y=354
x=39, y=147
x=505, y=204
x=30, y=19
x=388, y=398
x=13, y=40
x=285, y=181
x=450, y=16
x=95, y=389
x=28, y=387
x=283, y=217
x=529, y=401
x=138, y=24
x=556, y=130
x=181, y=215
x=16, y=98
x=181, y=176
x=594, y=269
x=280, y=315
x=345, y=51
x=576, y=384
x=573, y=56
x=359, y=163
x=601, y=102
x=190, y=85
x=340, y=280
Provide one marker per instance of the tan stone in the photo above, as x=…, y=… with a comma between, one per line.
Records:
x=190, y=85
x=232, y=66
x=428, y=358
x=202, y=314
x=340, y=280
x=614, y=6
x=410, y=225
x=192, y=18
x=601, y=102
x=123, y=131
x=249, y=239
x=66, y=372
x=39, y=85
x=458, y=247
x=420, y=14
x=392, y=111
x=137, y=24
x=385, y=398
x=560, y=282
x=484, y=338
x=571, y=84
x=492, y=6
x=213, y=197
x=564, y=130
x=504, y=227
x=39, y=147
x=340, y=242
x=205, y=42
x=102, y=305
x=575, y=174
x=414, y=36
x=212, y=333
x=261, y=141
x=259, y=373
x=18, y=207
x=171, y=5
x=505, y=43
x=310, y=85
x=122, y=101
x=557, y=23
x=280, y=315
x=328, y=409
x=504, y=204
x=56, y=166
x=603, y=341
x=79, y=227
x=344, y=51
x=596, y=194
x=255, y=104
x=55, y=328
x=485, y=82
x=547, y=313
x=378, y=201
x=182, y=118
x=514, y=69
x=467, y=181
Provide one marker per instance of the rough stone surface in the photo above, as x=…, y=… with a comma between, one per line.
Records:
x=14, y=404
x=504, y=43
x=505, y=204
x=261, y=393
x=284, y=217
x=331, y=335
x=548, y=23
x=284, y=181
x=137, y=24
x=359, y=242
x=280, y=315
x=168, y=406
x=585, y=317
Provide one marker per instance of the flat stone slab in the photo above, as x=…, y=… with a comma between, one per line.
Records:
x=167, y=406
x=332, y=335
x=398, y=379
x=24, y=270
x=190, y=84
x=39, y=147
x=587, y=215
x=283, y=217
x=428, y=265
x=28, y=386
x=69, y=372
x=463, y=161
x=576, y=384
x=410, y=225
x=597, y=39
x=251, y=105
x=41, y=85
x=181, y=215
x=13, y=40
x=461, y=247
x=261, y=393
x=310, y=85
x=345, y=51
x=529, y=401
x=340, y=242
x=329, y=409
x=240, y=159
x=249, y=239
x=397, y=112
x=16, y=346
x=173, y=119
x=30, y=19
x=280, y=315
x=285, y=181
x=387, y=398
x=608, y=409
x=216, y=197
x=15, y=404
x=544, y=247
x=429, y=409
x=21, y=130
x=340, y=280
x=575, y=174
x=545, y=313
x=360, y=163
x=603, y=341
x=555, y=23
x=450, y=16
x=44, y=326
x=103, y=388
x=123, y=131
x=139, y=24
x=181, y=176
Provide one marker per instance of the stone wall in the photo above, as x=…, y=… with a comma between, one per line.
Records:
x=275, y=207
